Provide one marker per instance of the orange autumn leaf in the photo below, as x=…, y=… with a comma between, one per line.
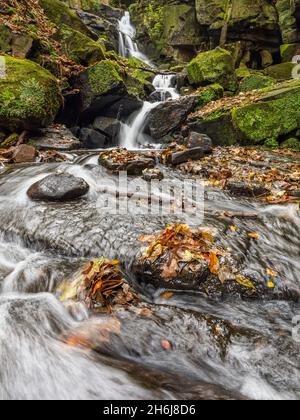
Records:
x=253, y=235
x=214, y=264
x=166, y=345
x=271, y=273
x=166, y=295
x=170, y=271
x=233, y=228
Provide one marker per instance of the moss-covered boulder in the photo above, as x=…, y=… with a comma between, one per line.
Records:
x=209, y=94
x=289, y=51
x=280, y=72
x=216, y=66
x=29, y=96
x=292, y=143
x=272, y=113
x=79, y=47
x=256, y=81
x=109, y=89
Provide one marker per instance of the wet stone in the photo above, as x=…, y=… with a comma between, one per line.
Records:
x=244, y=189
x=186, y=155
x=59, y=187
x=123, y=161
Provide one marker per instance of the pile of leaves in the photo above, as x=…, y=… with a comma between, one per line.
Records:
x=104, y=285
x=278, y=172
x=120, y=156
x=179, y=249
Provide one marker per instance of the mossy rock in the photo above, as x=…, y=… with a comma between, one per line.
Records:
x=79, y=47
x=280, y=72
x=242, y=72
x=209, y=94
x=10, y=141
x=256, y=81
x=5, y=39
x=61, y=14
x=276, y=114
x=216, y=66
x=271, y=143
x=29, y=96
x=293, y=143
x=289, y=51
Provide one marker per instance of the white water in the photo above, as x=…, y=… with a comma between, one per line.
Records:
x=132, y=134
x=164, y=84
x=127, y=45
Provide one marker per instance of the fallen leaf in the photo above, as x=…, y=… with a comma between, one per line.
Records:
x=166, y=345
x=170, y=271
x=214, y=264
x=233, y=228
x=271, y=285
x=253, y=235
x=166, y=295
x=271, y=273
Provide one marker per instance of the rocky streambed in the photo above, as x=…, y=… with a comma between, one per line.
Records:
x=224, y=342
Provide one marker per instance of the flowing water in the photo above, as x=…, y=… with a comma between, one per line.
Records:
x=41, y=244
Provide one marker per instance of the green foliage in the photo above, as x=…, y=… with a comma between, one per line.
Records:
x=154, y=19
x=256, y=81
x=292, y=143
x=271, y=143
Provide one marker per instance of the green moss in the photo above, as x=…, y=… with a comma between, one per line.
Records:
x=271, y=143
x=29, y=95
x=254, y=82
x=10, y=141
x=242, y=72
x=292, y=143
x=214, y=66
x=154, y=20
x=269, y=119
x=209, y=94
x=79, y=47
x=104, y=77
x=280, y=72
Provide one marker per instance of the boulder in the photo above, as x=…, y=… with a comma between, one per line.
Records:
x=256, y=81
x=195, y=153
x=280, y=72
x=215, y=66
x=92, y=139
x=24, y=154
x=29, y=96
x=107, y=90
x=56, y=137
x=169, y=116
x=59, y=187
x=209, y=94
x=151, y=174
x=109, y=127
x=202, y=141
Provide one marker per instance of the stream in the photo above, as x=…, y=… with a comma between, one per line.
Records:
x=221, y=349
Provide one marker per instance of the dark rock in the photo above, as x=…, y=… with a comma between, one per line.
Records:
x=186, y=155
x=151, y=174
x=156, y=96
x=244, y=189
x=24, y=153
x=59, y=187
x=185, y=132
x=109, y=127
x=169, y=116
x=202, y=141
x=92, y=139
x=56, y=137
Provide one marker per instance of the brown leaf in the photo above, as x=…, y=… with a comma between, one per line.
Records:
x=166, y=345
x=170, y=271
x=214, y=264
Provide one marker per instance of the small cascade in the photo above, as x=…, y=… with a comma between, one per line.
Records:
x=165, y=84
x=127, y=45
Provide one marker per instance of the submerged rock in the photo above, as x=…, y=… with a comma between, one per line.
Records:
x=60, y=187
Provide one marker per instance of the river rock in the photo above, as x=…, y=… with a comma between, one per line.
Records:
x=202, y=141
x=195, y=153
x=92, y=139
x=109, y=127
x=124, y=161
x=244, y=189
x=24, y=153
x=169, y=116
x=151, y=174
x=58, y=187
x=56, y=137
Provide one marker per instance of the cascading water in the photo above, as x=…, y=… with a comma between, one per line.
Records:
x=165, y=85
x=127, y=45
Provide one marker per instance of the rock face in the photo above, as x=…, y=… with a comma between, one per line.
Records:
x=61, y=187
x=169, y=116
x=24, y=154
x=29, y=96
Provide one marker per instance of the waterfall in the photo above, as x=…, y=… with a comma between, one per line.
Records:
x=127, y=45
x=165, y=84
x=132, y=132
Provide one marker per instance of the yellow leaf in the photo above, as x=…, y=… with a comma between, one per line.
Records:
x=271, y=273
x=166, y=295
x=271, y=285
x=253, y=235
x=244, y=281
x=233, y=228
